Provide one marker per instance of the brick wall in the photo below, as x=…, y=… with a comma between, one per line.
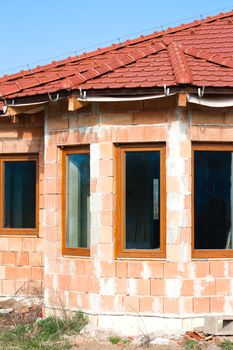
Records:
x=100, y=284
x=21, y=262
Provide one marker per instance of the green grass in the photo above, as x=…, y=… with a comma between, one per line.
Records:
x=45, y=334
x=226, y=345
x=115, y=339
x=192, y=344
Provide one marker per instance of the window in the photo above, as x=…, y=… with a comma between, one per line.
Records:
x=212, y=200
x=140, y=219
x=19, y=194
x=76, y=202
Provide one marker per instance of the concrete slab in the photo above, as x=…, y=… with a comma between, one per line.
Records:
x=219, y=325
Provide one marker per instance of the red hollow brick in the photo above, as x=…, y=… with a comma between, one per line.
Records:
x=217, y=304
x=135, y=269
x=107, y=269
x=171, y=270
x=156, y=268
x=171, y=305
x=131, y=304
x=37, y=273
x=106, y=167
x=80, y=267
x=121, y=268
x=8, y=258
x=202, y=268
x=143, y=287
x=146, y=304
x=186, y=305
x=106, y=150
x=22, y=258
x=187, y=288
x=107, y=302
x=121, y=286
x=18, y=273
x=157, y=287
x=8, y=287
x=217, y=268
x=201, y=305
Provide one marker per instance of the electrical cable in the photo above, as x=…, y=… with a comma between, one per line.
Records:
x=94, y=46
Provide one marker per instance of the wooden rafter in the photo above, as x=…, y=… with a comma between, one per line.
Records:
x=16, y=110
x=182, y=100
x=74, y=104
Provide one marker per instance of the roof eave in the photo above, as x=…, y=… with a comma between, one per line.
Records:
x=117, y=92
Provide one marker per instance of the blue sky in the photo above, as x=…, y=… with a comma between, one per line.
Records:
x=37, y=31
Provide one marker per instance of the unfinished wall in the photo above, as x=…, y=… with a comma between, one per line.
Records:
x=21, y=263
x=172, y=288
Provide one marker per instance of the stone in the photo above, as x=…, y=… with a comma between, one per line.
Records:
x=160, y=341
x=6, y=311
x=213, y=347
x=219, y=325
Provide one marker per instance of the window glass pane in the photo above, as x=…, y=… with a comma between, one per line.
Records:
x=20, y=194
x=78, y=201
x=142, y=198
x=213, y=199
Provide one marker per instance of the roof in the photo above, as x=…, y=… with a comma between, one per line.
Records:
x=195, y=54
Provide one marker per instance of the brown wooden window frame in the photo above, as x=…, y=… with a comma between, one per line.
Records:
x=18, y=158
x=120, y=250
x=207, y=253
x=82, y=252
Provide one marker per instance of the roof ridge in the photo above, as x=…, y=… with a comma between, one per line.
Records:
x=210, y=57
x=115, y=46
x=179, y=64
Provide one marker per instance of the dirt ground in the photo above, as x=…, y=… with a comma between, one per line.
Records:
x=108, y=346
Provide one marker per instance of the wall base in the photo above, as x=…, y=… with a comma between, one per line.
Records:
x=135, y=325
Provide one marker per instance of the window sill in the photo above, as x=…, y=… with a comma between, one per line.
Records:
x=140, y=259
x=81, y=257
x=19, y=233
x=212, y=254
x=141, y=254
x=76, y=252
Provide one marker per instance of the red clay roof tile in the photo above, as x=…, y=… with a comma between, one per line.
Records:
x=198, y=54
x=180, y=67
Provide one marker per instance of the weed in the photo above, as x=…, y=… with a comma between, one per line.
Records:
x=76, y=323
x=49, y=328
x=46, y=334
x=226, y=345
x=145, y=340
x=126, y=340
x=192, y=344
x=22, y=329
x=7, y=336
x=115, y=339
x=53, y=328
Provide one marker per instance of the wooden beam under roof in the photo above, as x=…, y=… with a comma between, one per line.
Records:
x=16, y=110
x=74, y=104
x=182, y=100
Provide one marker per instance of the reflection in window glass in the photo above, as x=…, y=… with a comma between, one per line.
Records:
x=78, y=200
x=213, y=199
x=142, y=198
x=20, y=194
